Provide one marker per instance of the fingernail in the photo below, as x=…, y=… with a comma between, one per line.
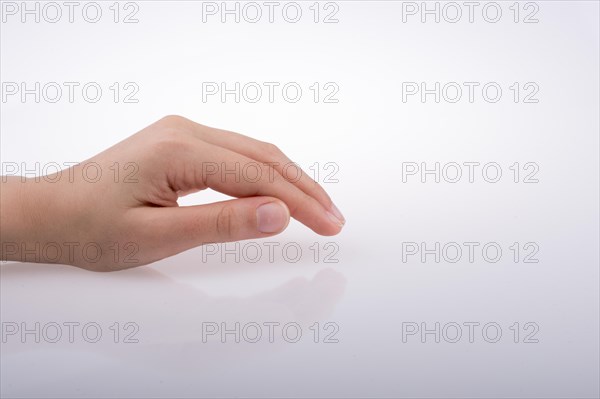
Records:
x=272, y=217
x=336, y=216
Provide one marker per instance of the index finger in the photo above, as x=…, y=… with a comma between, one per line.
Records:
x=226, y=179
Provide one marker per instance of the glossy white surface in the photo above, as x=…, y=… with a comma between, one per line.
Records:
x=370, y=294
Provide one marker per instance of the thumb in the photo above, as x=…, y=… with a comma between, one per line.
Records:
x=239, y=219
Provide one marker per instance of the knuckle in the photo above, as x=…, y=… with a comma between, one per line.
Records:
x=170, y=140
x=173, y=120
x=272, y=150
x=268, y=174
x=225, y=222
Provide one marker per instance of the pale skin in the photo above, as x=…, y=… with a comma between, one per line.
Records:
x=132, y=218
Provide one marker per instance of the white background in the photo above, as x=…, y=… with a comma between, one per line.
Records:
x=369, y=133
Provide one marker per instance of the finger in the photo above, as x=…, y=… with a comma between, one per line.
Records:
x=267, y=153
x=182, y=228
x=220, y=169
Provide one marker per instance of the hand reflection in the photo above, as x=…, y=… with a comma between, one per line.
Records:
x=170, y=314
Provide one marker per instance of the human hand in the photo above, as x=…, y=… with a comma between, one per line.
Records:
x=127, y=215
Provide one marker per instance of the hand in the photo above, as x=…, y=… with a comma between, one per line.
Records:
x=119, y=209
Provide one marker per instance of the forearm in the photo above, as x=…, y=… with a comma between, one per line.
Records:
x=23, y=232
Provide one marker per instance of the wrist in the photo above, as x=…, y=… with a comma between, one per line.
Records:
x=25, y=206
